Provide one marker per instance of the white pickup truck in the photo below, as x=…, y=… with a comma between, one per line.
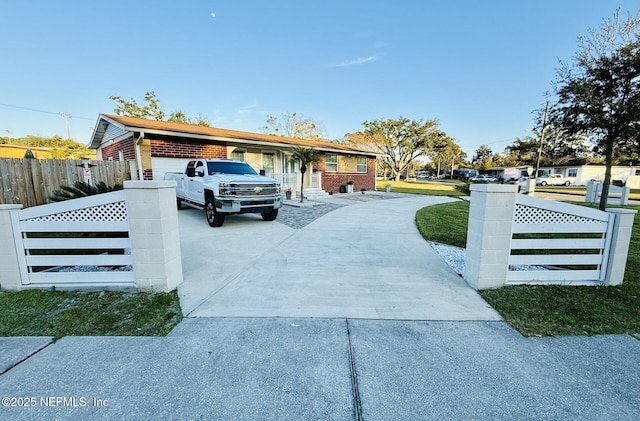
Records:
x=224, y=187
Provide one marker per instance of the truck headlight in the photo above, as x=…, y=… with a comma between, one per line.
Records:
x=277, y=187
x=224, y=189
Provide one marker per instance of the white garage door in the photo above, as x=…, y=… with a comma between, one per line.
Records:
x=164, y=165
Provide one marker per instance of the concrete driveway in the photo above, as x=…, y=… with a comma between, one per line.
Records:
x=363, y=260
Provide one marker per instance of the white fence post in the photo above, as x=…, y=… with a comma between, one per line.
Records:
x=621, y=237
x=155, y=237
x=593, y=189
x=624, y=196
x=10, y=278
x=489, y=235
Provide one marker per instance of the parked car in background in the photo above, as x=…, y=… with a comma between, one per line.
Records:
x=552, y=180
x=483, y=178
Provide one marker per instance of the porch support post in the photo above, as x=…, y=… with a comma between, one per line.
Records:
x=619, y=250
x=10, y=274
x=155, y=238
x=489, y=235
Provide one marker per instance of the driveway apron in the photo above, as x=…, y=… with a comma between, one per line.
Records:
x=365, y=260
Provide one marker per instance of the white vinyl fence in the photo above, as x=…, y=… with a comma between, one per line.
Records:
x=122, y=239
x=518, y=239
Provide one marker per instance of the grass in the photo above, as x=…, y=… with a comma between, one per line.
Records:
x=549, y=310
x=106, y=313
x=581, y=191
x=416, y=187
x=446, y=224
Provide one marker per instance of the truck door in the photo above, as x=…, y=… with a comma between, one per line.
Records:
x=195, y=190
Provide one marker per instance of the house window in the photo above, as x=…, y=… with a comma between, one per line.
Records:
x=362, y=164
x=572, y=172
x=237, y=155
x=269, y=162
x=331, y=163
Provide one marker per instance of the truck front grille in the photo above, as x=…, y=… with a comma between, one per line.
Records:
x=253, y=189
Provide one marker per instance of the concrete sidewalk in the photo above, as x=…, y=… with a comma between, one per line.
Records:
x=365, y=260
x=329, y=369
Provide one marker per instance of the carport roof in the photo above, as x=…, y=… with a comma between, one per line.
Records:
x=167, y=128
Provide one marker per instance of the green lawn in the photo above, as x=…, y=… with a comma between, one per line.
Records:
x=64, y=313
x=436, y=188
x=549, y=310
x=581, y=191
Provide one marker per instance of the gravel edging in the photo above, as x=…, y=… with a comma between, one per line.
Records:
x=454, y=258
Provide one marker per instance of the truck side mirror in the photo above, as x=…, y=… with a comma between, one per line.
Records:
x=262, y=172
x=200, y=173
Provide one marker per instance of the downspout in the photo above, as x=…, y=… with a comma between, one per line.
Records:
x=138, y=157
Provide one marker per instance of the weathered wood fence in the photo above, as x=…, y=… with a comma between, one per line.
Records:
x=30, y=181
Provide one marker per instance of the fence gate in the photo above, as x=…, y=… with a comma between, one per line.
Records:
x=76, y=243
x=558, y=243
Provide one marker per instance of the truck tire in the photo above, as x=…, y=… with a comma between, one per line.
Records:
x=544, y=183
x=270, y=216
x=179, y=203
x=214, y=218
x=567, y=183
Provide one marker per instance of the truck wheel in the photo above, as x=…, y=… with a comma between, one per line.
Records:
x=567, y=183
x=270, y=216
x=544, y=183
x=214, y=218
x=179, y=203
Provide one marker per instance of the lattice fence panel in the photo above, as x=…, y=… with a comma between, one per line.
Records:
x=532, y=215
x=116, y=211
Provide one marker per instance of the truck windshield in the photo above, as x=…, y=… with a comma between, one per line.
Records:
x=230, y=168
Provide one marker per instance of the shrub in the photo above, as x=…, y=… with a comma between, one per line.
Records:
x=81, y=189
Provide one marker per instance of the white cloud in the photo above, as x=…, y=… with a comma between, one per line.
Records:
x=356, y=62
x=248, y=108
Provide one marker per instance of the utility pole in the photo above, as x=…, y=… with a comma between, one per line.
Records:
x=544, y=125
x=66, y=116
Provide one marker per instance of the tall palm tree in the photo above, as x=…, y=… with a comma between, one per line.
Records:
x=306, y=156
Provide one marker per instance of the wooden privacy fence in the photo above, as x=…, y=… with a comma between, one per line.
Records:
x=31, y=181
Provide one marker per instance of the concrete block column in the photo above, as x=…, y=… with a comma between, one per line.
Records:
x=489, y=235
x=593, y=192
x=10, y=276
x=155, y=237
x=621, y=237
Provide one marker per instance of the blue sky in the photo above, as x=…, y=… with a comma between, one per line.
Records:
x=479, y=67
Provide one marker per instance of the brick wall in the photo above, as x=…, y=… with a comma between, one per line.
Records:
x=178, y=148
x=127, y=147
x=331, y=181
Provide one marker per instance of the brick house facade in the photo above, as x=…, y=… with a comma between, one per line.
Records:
x=160, y=146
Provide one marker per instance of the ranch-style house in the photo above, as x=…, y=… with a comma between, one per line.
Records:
x=160, y=146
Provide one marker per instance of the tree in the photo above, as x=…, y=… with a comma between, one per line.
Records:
x=306, y=156
x=483, y=158
x=289, y=125
x=600, y=95
x=60, y=148
x=399, y=142
x=154, y=111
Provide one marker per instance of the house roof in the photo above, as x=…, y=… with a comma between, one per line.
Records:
x=132, y=124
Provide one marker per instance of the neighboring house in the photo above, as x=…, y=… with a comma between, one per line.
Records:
x=511, y=173
x=18, y=151
x=160, y=146
x=581, y=174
